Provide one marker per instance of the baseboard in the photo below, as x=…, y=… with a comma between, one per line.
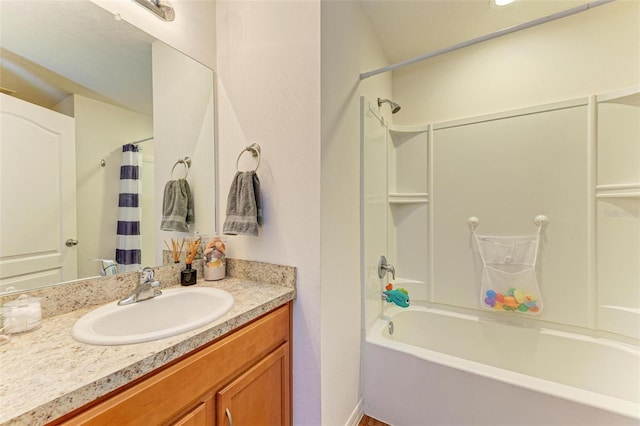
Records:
x=356, y=415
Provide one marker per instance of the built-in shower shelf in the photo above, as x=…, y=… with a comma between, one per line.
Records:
x=618, y=191
x=620, y=195
x=418, y=290
x=408, y=198
x=395, y=130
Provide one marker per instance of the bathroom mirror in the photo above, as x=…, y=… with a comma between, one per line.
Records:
x=121, y=85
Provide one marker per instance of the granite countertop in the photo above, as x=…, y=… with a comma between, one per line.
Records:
x=45, y=373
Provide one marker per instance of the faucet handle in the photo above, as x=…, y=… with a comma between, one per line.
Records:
x=146, y=274
x=384, y=267
x=155, y=286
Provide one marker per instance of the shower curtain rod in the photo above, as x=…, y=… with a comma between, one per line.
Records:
x=141, y=140
x=486, y=37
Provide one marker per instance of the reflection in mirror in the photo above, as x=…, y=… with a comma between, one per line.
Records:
x=80, y=87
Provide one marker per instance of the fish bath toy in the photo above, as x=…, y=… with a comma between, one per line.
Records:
x=399, y=296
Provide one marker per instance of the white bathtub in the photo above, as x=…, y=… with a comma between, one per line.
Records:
x=443, y=368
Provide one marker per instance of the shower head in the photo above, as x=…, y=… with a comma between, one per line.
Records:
x=394, y=106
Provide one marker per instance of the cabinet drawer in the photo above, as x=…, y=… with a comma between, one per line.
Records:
x=196, y=417
x=163, y=395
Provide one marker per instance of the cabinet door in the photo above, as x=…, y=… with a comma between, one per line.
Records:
x=260, y=396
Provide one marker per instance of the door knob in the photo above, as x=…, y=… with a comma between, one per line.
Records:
x=71, y=242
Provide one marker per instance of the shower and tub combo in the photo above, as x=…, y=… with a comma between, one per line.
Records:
x=458, y=357
x=445, y=368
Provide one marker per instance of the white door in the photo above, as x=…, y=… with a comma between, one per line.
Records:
x=37, y=195
x=374, y=205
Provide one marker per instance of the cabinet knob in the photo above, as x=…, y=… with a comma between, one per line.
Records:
x=229, y=417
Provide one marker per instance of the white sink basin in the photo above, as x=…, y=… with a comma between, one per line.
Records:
x=175, y=311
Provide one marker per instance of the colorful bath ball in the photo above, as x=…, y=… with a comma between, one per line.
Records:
x=510, y=301
x=500, y=297
x=491, y=294
x=489, y=301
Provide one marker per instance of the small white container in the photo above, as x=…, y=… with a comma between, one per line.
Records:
x=215, y=262
x=21, y=315
x=215, y=269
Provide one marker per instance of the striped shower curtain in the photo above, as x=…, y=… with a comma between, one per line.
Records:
x=128, y=241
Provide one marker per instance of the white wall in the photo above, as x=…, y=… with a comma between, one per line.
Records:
x=348, y=48
x=591, y=52
x=101, y=130
x=268, y=63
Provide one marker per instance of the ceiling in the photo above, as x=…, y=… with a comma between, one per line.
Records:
x=64, y=42
x=50, y=49
x=407, y=29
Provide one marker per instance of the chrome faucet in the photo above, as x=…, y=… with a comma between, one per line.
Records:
x=146, y=288
x=109, y=266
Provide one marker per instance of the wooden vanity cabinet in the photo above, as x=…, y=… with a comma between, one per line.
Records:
x=198, y=416
x=244, y=376
x=255, y=398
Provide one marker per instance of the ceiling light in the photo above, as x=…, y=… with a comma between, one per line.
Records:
x=161, y=8
x=502, y=2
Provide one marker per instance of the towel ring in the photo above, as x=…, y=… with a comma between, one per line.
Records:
x=254, y=149
x=186, y=161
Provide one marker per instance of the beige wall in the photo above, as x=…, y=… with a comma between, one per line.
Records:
x=269, y=92
x=349, y=47
x=101, y=130
x=183, y=125
x=588, y=53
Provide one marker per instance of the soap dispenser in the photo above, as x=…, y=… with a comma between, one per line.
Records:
x=189, y=276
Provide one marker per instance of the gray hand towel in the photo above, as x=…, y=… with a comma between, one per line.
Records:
x=244, y=207
x=177, y=206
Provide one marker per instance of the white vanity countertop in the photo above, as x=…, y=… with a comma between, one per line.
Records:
x=45, y=373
